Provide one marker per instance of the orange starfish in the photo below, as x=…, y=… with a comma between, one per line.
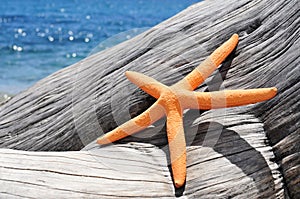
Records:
x=172, y=100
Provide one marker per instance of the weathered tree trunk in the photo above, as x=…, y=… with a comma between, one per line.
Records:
x=244, y=152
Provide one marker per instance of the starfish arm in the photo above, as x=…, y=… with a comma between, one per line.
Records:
x=231, y=98
x=146, y=83
x=207, y=67
x=177, y=147
x=140, y=122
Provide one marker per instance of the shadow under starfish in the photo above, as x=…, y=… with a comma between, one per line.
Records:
x=172, y=100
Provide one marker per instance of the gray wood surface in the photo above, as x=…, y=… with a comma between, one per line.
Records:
x=242, y=152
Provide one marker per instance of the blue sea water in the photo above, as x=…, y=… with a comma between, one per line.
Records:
x=39, y=37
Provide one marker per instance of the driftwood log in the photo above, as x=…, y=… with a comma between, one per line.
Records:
x=243, y=152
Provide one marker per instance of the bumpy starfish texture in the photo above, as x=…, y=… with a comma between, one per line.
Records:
x=172, y=100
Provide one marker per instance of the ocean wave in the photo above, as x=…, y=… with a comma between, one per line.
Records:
x=39, y=37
